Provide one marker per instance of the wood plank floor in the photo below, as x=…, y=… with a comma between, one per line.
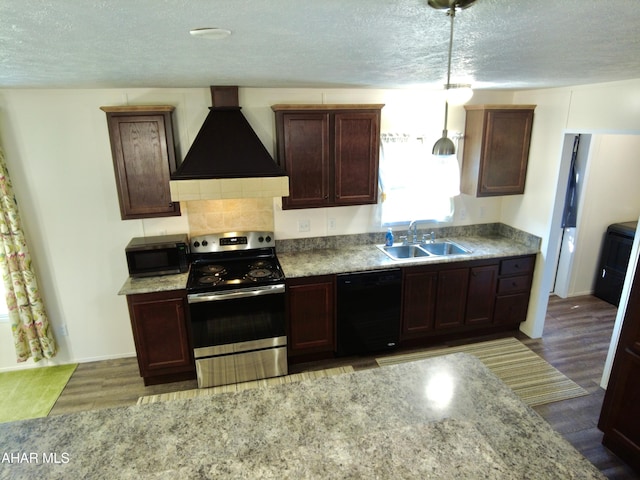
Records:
x=575, y=341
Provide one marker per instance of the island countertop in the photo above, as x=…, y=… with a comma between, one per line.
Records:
x=445, y=417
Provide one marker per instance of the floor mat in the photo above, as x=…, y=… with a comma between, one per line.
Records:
x=31, y=393
x=534, y=380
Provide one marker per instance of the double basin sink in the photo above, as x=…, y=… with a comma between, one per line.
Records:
x=437, y=248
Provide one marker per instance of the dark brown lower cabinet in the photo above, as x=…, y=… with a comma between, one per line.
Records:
x=481, y=295
x=160, y=333
x=514, y=289
x=457, y=300
x=451, y=298
x=620, y=416
x=311, y=315
x=433, y=298
x=418, y=301
x=463, y=298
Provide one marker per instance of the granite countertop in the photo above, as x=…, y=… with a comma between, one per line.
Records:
x=365, y=257
x=160, y=283
x=446, y=417
x=358, y=253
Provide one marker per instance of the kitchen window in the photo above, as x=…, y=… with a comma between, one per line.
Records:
x=414, y=184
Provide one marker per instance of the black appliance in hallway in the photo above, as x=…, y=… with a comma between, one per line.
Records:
x=614, y=259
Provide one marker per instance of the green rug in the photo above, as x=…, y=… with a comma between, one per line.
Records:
x=31, y=393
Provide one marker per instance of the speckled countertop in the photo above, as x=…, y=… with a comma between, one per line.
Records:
x=160, y=283
x=444, y=418
x=368, y=257
x=357, y=253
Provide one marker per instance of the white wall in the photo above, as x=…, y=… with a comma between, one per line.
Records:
x=611, y=195
x=602, y=108
x=57, y=148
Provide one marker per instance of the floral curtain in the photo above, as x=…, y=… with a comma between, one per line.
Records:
x=31, y=331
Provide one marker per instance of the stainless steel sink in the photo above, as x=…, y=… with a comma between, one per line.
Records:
x=439, y=248
x=401, y=252
x=444, y=247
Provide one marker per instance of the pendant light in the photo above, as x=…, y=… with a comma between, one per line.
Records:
x=444, y=146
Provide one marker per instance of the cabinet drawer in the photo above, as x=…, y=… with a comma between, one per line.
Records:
x=521, y=283
x=517, y=265
x=511, y=309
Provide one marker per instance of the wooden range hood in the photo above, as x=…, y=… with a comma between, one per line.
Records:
x=227, y=159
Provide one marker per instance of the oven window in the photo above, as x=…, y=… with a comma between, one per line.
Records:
x=239, y=320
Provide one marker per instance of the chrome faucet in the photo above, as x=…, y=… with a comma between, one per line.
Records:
x=412, y=232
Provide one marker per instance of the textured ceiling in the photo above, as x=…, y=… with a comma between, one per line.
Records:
x=311, y=43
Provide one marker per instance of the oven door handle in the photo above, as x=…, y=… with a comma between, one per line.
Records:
x=231, y=294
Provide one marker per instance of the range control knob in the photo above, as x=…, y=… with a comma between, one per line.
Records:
x=261, y=239
x=204, y=243
x=196, y=244
x=268, y=239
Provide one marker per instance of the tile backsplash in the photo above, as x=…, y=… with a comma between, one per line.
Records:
x=213, y=216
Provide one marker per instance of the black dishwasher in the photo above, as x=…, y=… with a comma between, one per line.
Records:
x=368, y=306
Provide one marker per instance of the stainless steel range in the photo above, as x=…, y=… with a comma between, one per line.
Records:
x=236, y=294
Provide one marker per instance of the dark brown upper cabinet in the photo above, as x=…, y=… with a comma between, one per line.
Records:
x=143, y=159
x=496, y=149
x=330, y=153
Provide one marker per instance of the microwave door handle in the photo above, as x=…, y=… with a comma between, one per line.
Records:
x=231, y=294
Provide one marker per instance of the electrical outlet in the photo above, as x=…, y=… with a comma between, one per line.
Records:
x=331, y=224
x=304, y=225
x=62, y=330
x=463, y=214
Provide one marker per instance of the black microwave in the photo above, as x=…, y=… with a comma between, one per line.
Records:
x=161, y=255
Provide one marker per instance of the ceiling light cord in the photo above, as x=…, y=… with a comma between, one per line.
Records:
x=452, y=14
x=444, y=146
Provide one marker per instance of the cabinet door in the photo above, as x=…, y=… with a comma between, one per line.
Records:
x=304, y=151
x=620, y=416
x=451, y=298
x=143, y=157
x=356, y=157
x=505, y=152
x=481, y=294
x=160, y=333
x=511, y=309
x=418, y=302
x=311, y=315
